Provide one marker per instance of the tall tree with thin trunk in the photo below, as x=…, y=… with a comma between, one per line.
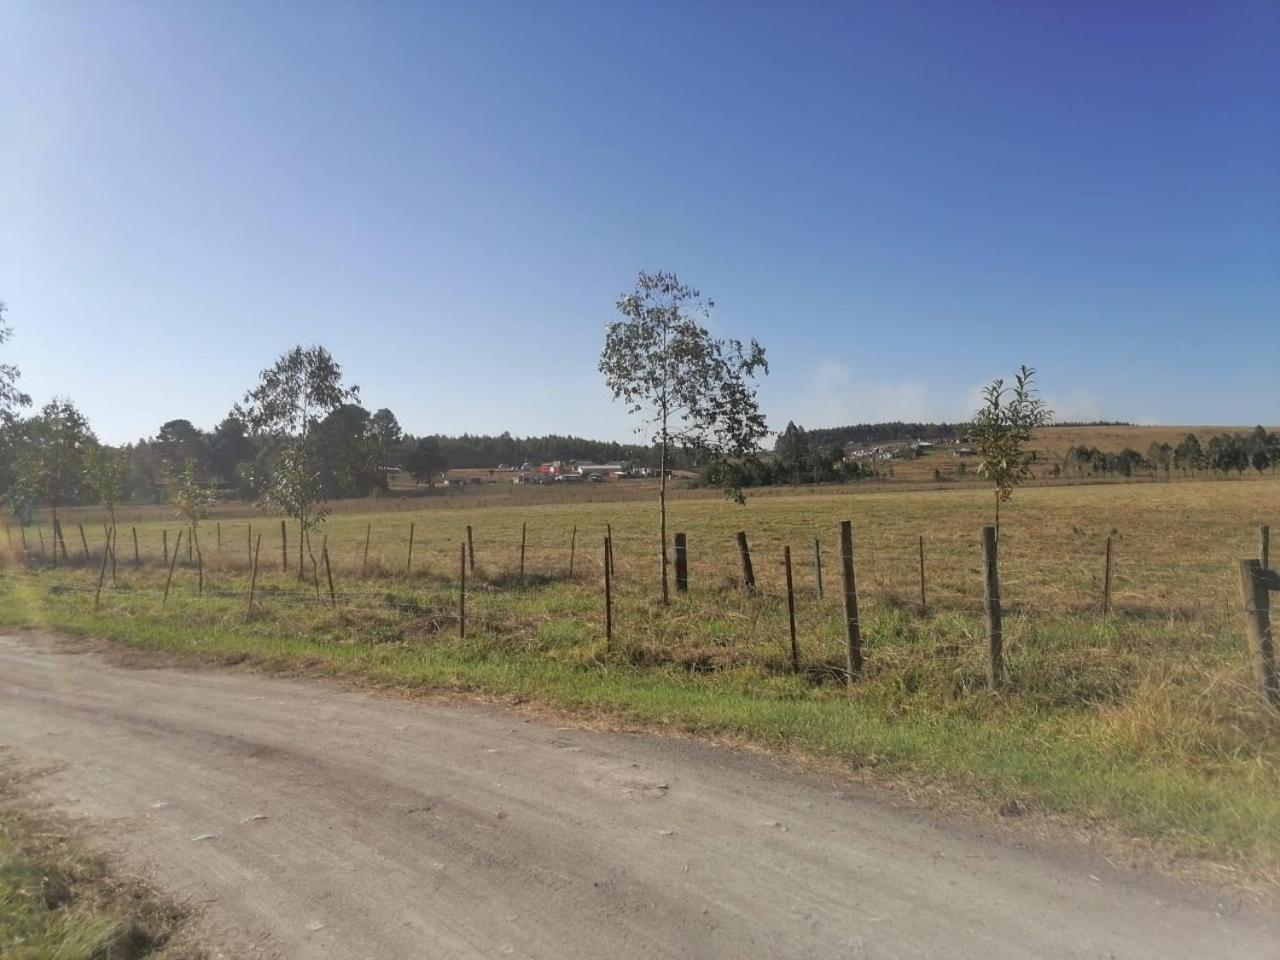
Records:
x=691, y=389
x=52, y=448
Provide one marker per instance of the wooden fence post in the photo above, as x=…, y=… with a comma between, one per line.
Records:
x=164, y=542
x=1264, y=546
x=852, y=626
x=523, y=530
x=817, y=565
x=608, y=599
x=1106, y=581
x=364, y=561
x=253, y=577
x=471, y=550
x=408, y=564
x=573, y=545
x=791, y=611
x=744, y=555
x=84, y=541
x=219, y=529
x=1255, y=586
x=682, y=563
x=199, y=561
x=995, y=630
x=102, y=575
x=22, y=530
x=924, y=603
x=173, y=562
x=284, y=549
x=137, y=554
x=328, y=572
x=462, y=590
x=608, y=532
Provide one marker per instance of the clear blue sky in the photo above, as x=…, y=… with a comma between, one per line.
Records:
x=901, y=200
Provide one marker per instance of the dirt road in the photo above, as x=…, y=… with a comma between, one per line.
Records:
x=310, y=822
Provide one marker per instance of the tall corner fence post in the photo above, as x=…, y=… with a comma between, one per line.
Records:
x=991, y=590
x=462, y=590
x=852, y=625
x=608, y=599
x=1256, y=584
x=791, y=610
x=1106, y=580
x=744, y=556
x=682, y=563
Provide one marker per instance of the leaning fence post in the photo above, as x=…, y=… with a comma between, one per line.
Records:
x=173, y=562
x=608, y=599
x=408, y=564
x=682, y=563
x=817, y=565
x=471, y=550
x=102, y=575
x=84, y=541
x=573, y=544
x=1106, y=581
x=328, y=572
x=164, y=544
x=608, y=532
x=744, y=555
x=253, y=578
x=852, y=626
x=137, y=554
x=924, y=604
x=364, y=561
x=462, y=590
x=1255, y=586
x=199, y=561
x=791, y=611
x=995, y=631
x=1264, y=546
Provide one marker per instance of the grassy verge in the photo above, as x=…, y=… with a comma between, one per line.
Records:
x=57, y=903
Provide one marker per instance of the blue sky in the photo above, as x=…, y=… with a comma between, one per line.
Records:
x=901, y=200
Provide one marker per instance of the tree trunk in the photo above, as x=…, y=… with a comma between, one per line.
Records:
x=302, y=535
x=662, y=515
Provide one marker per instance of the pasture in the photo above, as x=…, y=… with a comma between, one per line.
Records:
x=1145, y=720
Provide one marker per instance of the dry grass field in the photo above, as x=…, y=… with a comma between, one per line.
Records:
x=1145, y=720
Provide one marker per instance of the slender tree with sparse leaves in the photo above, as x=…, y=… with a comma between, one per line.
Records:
x=1002, y=427
x=292, y=396
x=11, y=398
x=690, y=388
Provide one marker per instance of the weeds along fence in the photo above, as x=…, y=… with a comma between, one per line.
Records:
x=801, y=608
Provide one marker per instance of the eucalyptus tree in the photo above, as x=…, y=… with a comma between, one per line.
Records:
x=293, y=395
x=1002, y=427
x=52, y=448
x=690, y=389
x=11, y=398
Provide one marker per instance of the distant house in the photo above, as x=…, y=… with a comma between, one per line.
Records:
x=964, y=452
